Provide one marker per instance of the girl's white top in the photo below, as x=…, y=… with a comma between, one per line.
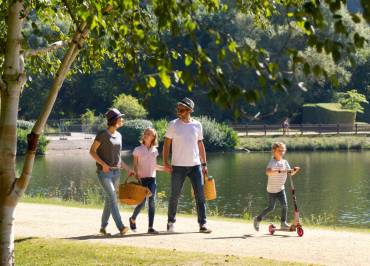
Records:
x=147, y=161
x=277, y=180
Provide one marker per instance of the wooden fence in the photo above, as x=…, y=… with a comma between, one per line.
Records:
x=266, y=129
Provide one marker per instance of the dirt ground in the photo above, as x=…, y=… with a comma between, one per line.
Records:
x=316, y=246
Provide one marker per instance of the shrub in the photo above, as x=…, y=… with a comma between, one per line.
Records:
x=217, y=136
x=352, y=100
x=92, y=123
x=161, y=127
x=129, y=106
x=132, y=130
x=22, y=142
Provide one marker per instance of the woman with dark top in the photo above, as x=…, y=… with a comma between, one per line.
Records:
x=106, y=151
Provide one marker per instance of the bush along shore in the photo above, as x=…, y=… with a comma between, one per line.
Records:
x=302, y=143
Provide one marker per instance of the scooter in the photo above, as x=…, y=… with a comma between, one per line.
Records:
x=296, y=226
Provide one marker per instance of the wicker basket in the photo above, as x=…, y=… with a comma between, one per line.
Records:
x=132, y=193
x=209, y=188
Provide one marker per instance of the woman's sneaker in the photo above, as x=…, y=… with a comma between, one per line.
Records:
x=205, y=230
x=256, y=224
x=153, y=231
x=132, y=224
x=123, y=230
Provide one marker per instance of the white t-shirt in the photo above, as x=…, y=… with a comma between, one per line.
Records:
x=185, y=137
x=277, y=180
x=147, y=161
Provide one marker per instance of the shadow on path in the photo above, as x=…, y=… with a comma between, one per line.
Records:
x=230, y=237
x=161, y=233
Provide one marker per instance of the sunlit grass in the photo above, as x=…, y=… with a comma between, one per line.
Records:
x=31, y=251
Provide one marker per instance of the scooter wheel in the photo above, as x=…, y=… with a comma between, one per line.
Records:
x=272, y=229
x=300, y=231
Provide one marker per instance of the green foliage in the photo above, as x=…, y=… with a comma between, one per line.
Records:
x=351, y=100
x=92, y=123
x=218, y=136
x=129, y=106
x=327, y=113
x=161, y=127
x=22, y=142
x=132, y=130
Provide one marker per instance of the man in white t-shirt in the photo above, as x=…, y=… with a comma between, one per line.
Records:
x=188, y=159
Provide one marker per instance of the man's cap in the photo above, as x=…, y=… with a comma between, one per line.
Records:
x=113, y=114
x=187, y=103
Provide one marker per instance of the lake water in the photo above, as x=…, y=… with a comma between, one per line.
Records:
x=332, y=187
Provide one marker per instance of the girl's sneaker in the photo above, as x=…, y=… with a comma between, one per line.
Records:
x=132, y=224
x=153, y=231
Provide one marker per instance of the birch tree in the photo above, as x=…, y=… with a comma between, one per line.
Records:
x=129, y=32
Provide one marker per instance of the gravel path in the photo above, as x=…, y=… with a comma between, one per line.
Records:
x=232, y=238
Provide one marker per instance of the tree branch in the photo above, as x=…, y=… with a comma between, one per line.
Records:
x=50, y=48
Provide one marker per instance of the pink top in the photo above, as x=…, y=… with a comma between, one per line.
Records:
x=147, y=161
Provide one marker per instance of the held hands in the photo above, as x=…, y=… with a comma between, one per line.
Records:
x=167, y=168
x=132, y=173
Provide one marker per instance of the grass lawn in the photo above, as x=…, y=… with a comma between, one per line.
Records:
x=33, y=251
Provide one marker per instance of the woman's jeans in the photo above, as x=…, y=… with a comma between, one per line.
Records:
x=179, y=173
x=150, y=183
x=281, y=196
x=109, y=182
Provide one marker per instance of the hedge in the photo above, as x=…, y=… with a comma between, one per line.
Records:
x=327, y=113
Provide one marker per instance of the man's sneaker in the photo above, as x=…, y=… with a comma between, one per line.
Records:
x=170, y=227
x=205, y=230
x=132, y=224
x=103, y=232
x=152, y=231
x=284, y=225
x=123, y=230
x=256, y=224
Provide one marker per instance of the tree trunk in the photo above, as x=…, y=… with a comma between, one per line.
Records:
x=13, y=78
x=12, y=188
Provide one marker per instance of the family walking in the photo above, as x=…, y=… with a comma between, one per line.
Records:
x=184, y=135
x=184, y=138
